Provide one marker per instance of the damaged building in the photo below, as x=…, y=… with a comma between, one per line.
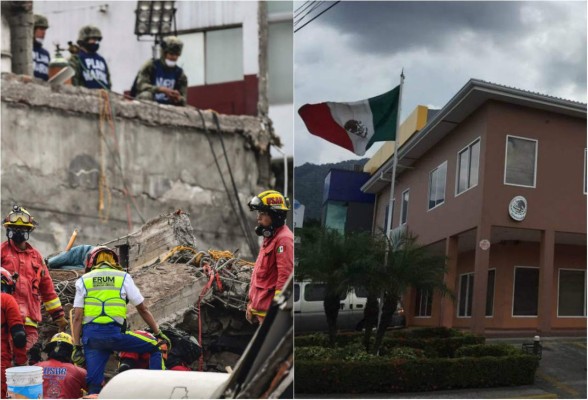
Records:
x=77, y=158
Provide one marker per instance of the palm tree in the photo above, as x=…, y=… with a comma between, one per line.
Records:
x=407, y=264
x=324, y=256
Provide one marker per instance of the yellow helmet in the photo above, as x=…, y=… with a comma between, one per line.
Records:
x=62, y=337
x=19, y=217
x=270, y=200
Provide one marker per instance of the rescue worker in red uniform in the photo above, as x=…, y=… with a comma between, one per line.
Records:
x=13, y=337
x=275, y=261
x=61, y=378
x=34, y=284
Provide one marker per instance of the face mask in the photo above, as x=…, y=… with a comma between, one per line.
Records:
x=39, y=40
x=265, y=231
x=17, y=236
x=92, y=47
x=170, y=63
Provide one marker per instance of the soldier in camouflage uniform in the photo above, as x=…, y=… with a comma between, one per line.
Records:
x=162, y=80
x=41, y=57
x=90, y=67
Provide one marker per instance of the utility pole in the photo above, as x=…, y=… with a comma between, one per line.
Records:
x=20, y=18
x=262, y=24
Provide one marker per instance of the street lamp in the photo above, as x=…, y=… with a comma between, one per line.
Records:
x=155, y=18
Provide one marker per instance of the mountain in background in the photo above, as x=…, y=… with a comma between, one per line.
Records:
x=309, y=180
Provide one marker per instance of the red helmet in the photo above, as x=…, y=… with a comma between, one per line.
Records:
x=8, y=280
x=93, y=255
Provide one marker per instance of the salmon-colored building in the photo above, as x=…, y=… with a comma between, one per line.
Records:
x=496, y=181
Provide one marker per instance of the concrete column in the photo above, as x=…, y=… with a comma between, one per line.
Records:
x=546, y=268
x=482, y=261
x=447, y=311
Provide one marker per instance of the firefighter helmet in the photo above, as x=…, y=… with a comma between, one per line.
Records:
x=40, y=22
x=270, y=200
x=62, y=344
x=8, y=280
x=172, y=45
x=92, y=257
x=19, y=218
x=89, y=32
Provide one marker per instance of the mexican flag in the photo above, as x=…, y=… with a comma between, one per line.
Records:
x=354, y=126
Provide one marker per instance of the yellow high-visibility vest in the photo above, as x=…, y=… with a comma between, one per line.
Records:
x=103, y=303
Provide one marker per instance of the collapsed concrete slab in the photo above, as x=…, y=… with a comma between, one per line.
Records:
x=201, y=292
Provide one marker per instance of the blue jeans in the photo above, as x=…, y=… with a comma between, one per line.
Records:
x=73, y=259
x=100, y=340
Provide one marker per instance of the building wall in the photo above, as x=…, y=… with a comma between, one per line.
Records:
x=557, y=202
x=457, y=214
x=504, y=258
x=52, y=156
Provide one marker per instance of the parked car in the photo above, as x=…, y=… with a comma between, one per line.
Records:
x=309, y=313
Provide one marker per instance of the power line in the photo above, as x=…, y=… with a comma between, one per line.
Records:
x=305, y=6
x=321, y=13
x=315, y=5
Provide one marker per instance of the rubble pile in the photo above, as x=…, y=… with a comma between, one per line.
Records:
x=203, y=293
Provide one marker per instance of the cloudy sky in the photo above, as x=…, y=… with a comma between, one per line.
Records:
x=356, y=50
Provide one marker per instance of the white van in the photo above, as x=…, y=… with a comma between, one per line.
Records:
x=309, y=312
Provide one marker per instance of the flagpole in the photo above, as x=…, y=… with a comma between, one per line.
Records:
x=392, y=179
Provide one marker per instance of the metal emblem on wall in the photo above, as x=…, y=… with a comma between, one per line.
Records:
x=517, y=209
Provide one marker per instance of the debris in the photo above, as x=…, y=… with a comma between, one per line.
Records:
x=200, y=292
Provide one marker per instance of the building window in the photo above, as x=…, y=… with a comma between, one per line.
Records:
x=213, y=56
x=468, y=165
x=280, y=63
x=521, y=161
x=423, y=303
x=466, y=294
x=466, y=290
x=526, y=292
x=490, y=293
x=571, y=298
x=437, y=179
x=391, y=217
x=585, y=173
x=404, y=208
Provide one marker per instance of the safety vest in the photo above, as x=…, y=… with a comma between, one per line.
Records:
x=103, y=303
x=166, y=77
x=41, y=60
x=94, y=70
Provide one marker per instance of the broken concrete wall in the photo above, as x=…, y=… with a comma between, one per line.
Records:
x=63, y=160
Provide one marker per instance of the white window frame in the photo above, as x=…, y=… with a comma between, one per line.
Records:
x=534, y=167
x=585, y=172
x=421, y=302
x=402, y=207
x=459, y=296
x=468, y=147
x=444, y=187
x=514, y=277
x=558, y=286
x=468, y=289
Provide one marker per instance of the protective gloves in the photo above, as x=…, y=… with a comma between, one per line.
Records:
x=77, y=356
x=162, y=336
x=62, y=324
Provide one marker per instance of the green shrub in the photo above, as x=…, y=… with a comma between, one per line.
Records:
x=482, y=350
x=315, y=353
x=401, y=375
x=407, y=353
x=432, y=347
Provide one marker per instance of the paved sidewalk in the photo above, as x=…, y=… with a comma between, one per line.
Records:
x=561, y=374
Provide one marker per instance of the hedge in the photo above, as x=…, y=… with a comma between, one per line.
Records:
x=481, y=350
x=400, y=375
x=435, y=342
